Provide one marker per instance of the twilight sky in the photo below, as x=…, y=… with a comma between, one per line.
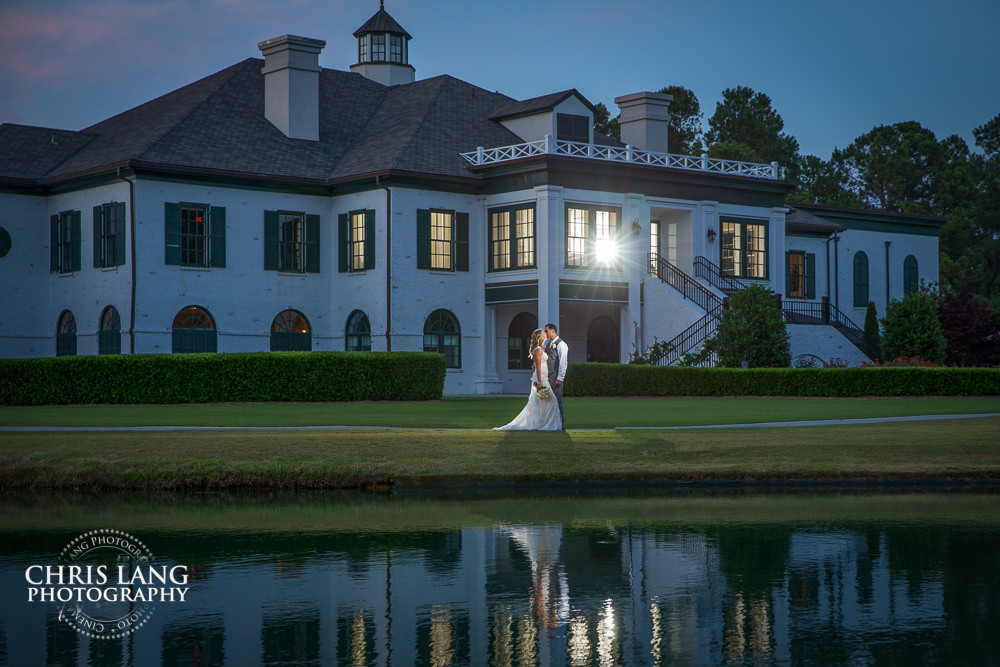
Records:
x=833, y=70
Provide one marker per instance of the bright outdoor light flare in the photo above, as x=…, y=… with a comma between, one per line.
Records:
x=606, y=252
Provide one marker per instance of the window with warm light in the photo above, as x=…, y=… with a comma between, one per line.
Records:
x=744, y=249
x=290, y=332
x=442, y=240
x=194, y=331
x=512, y=238
x=593, y=237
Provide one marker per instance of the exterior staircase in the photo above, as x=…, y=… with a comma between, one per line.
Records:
x=822, y=313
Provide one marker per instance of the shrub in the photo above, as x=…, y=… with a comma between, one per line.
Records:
x=972, y=339
x=751, y=329
x=871, y=326
x=910, y=328
x=205, y=378
x=590, y=379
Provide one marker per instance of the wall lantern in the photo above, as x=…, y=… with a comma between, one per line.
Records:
x=636, y=229
x=711, y=234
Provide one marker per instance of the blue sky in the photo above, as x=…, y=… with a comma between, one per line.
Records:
x=833, y=70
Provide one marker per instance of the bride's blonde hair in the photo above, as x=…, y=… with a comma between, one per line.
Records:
x=537, y=339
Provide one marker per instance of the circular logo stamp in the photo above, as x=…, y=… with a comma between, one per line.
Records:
x=102, y=571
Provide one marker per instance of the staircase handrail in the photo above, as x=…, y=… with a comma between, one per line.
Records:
x=811, y=312
x=704, y=268
x=683, y=283
x=692, y=337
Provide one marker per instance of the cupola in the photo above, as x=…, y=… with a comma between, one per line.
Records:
x=383, y=50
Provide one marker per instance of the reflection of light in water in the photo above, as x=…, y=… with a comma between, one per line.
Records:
x=358, y=647
x=747, y=626
x=501, y=646
x=606, y=634
x=578, y=643
x=442, y=647
x=657, y=639
x=527, y=646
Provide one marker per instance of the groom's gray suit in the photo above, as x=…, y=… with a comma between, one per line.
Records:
x=552, y=349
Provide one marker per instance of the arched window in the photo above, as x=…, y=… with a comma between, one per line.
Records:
x=443, y=334
x=66, y=335
x=194, y=331
x=110, y=334
x=602, y=340
x=519, y=340
x=911, y=277
x=860, y=280
x=290, y=332
x=358, y=334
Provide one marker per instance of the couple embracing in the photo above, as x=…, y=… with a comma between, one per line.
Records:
x=544, y=410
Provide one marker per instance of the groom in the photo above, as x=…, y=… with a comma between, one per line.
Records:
x=558, y=352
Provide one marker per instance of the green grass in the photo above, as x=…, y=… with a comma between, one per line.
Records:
x=485, y=412
x=350, y=459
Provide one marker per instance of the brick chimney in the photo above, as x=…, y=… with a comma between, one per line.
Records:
x=644, y=119
x=291, y=85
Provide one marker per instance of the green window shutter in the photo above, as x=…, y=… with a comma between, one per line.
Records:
x=369, y=239
x=98, y=214
x=271, y=241
x=343, y=233
x=423, y=239
x=461, y=241
x=75, y=249
x=910, y=275
x=54, y=243
x=172, y=233
x=120, y=234
x=788, y=273
x=810, y=275
x=217, y=229
x=312, y=243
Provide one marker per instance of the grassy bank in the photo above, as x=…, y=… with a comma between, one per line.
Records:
x=485, y=412
x=351, y=459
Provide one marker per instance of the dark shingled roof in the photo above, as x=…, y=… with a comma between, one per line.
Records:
x=536, y=105
x=804, y=222
x=30, y=153
x=382, y=22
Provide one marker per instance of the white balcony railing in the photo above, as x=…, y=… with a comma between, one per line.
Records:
x=628, y=154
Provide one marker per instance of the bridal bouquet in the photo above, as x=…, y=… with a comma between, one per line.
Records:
x=543, y=393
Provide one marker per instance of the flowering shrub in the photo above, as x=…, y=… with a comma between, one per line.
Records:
x=902, y=361
x=837, y=362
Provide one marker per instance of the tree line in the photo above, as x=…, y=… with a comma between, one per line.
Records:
x=902, y=167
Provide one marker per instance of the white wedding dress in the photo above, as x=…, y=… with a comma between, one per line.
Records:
x=540, y=414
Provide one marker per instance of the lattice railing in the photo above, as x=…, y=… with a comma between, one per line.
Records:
x=628, y=154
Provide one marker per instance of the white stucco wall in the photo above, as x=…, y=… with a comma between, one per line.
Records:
x=27, y=328
x=825, y=342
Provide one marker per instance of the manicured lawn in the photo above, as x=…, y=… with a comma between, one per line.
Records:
x=485, y=412
x=351, y=459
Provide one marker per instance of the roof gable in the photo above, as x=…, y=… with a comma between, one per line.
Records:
x=538, y=105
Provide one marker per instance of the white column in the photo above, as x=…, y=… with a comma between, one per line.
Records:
x=635, y=244
x=776, y=248
x=487, y=381
x=550, y=250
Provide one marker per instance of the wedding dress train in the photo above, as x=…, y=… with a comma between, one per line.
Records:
x=539, y=414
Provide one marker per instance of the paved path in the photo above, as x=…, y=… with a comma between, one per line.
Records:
x=818, y=422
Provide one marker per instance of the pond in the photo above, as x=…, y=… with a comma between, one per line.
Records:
x=654, y=577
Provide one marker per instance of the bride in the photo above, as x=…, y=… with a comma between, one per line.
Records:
x=542, y=412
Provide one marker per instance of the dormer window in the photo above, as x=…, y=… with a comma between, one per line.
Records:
x=570, y=127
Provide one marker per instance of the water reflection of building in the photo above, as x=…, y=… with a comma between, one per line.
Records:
x=526, y=594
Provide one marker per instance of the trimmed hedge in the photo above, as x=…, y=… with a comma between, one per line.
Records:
x=216, y=378
x=594, y=379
